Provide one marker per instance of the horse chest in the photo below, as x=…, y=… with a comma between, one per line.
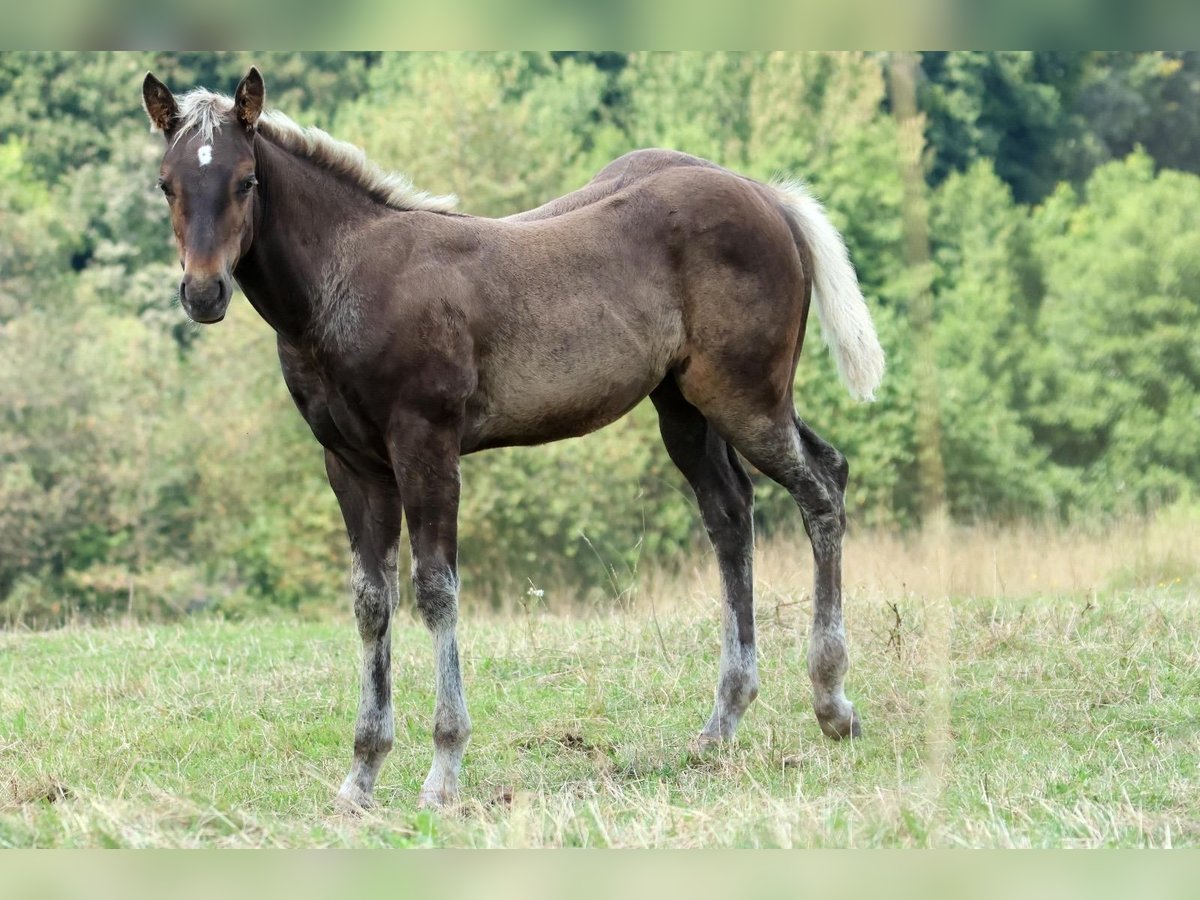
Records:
x=350, y=428
x=335, y=421
x=320, y=418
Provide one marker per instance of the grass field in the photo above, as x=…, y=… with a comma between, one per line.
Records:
x=1017, y=689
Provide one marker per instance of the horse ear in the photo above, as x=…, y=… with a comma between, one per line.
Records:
x=160, y=105
x=248, y=99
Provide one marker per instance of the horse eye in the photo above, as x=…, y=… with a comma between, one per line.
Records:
x=166, y=189
x=248, y=184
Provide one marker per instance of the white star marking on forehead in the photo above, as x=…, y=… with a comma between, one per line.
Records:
x=205, y=154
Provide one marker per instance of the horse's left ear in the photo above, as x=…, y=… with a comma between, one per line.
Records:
x=248, y=99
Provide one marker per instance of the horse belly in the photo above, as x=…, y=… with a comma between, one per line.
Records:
x=576, y=383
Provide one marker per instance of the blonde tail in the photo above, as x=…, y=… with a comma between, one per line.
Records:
x=845, y=320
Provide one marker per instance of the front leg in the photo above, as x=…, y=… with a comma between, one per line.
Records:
x=426, y=459
x=372, y=515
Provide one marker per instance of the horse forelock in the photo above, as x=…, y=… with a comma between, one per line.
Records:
x=202, y=113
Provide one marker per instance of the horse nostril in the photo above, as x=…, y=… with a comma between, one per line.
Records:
x=212, y=290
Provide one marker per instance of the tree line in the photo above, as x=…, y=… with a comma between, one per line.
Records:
x=151, y=466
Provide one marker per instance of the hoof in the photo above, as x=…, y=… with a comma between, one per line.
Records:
x=704, y=743
x=352, y=800
x=436, y=799
x=840, y=726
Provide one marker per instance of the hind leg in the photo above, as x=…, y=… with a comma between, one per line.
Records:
x=726, y=499
x=828, y=660
x=814, y=473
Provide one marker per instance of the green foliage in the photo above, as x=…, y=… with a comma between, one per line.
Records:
x=36, y=237
x=93, y=472
x=986, y=289
x=1012, y=107
x=1042, y=117
x=148, y=465
x=1119, y=398
x=695, y=102
x=582, y=512
x=1142, y=99
x=64, y=104
x=504, y=133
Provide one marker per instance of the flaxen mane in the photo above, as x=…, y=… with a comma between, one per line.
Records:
x=201, y=112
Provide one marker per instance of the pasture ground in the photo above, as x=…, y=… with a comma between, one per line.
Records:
x=1017, y=689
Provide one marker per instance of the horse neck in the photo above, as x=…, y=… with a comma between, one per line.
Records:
x=301, y=211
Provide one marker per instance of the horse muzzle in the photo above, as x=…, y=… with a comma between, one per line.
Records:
x=205, y=300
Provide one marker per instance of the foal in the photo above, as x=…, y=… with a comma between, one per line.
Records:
x=410, y=334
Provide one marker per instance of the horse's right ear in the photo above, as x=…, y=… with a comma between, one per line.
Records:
x=160, y=105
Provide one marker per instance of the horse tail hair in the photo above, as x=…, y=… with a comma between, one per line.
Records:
x=845, y=321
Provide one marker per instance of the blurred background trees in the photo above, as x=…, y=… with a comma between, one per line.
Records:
x=150, y=467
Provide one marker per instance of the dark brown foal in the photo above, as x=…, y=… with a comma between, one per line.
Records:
x=410, y=335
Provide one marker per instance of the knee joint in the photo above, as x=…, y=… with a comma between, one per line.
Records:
x=452, y=734
x=436, y=588
x=739, y=689
x=372, y=603
x=375, y=742
x=827, y=656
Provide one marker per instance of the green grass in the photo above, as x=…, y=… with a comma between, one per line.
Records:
x=1072, y=723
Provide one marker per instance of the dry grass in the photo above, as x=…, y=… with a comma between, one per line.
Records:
x=1058, y=706
x=980, y=561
